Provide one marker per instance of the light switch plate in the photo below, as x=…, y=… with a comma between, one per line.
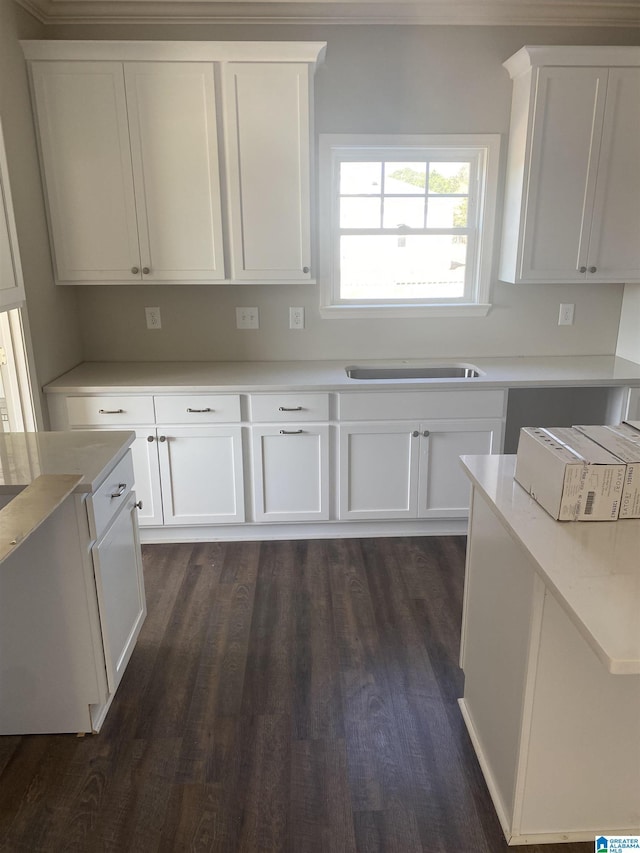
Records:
x=247, y=318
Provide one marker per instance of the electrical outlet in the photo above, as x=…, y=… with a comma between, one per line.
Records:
x=247, y=318
x=153, y=318
x=565, y=317
x=296, y=318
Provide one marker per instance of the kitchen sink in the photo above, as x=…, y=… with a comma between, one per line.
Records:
x=425, y=372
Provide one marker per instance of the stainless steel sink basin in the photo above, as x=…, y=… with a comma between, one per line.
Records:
x=438, y=371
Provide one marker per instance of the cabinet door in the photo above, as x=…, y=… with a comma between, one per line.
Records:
x=147, y=477
x=266, y=108
x=444, y=488
x=291, y=472
x=82, y=123
x=201, y=474
x=379, y=470
x=172, y=122
x=614, y=249
x=120, y=586
x=565, y=143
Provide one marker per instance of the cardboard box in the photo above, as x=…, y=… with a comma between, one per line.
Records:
x=627, y=450
x=570, y=476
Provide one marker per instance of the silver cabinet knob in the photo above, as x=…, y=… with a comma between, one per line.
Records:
x=138, y=504
x=305, y=269
x=162, y=438
x=593, y=269
x=146, y=270
x=415, y=433
x=583, y=269
x=135, y=270
x=151, y=438
x=426, y=433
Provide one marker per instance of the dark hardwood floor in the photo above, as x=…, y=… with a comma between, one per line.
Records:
x=283, y=696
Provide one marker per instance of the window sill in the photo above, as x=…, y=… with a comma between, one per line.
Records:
x=361, y=312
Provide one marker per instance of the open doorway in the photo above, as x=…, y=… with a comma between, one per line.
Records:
x=17, y=409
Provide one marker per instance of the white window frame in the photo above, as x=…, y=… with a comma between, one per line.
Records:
x=336, y=148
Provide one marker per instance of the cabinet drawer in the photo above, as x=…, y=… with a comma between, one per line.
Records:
x=197, y=408
x=411, y=405
x=276, y=408
x=110, y=495
x=110, y=410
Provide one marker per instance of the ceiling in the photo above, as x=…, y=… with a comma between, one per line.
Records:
x=594, y=13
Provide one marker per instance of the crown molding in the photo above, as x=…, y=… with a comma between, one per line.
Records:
x=557, y=13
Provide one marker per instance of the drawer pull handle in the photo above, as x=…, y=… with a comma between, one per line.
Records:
x=138, y=504
x=111, y=411
x=291, y=431
x=292, y=409
x=199, y=411
x=121, y=490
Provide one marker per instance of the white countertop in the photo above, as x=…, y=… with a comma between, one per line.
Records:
x=167, y=376
x=24, y=456
x=592, y=568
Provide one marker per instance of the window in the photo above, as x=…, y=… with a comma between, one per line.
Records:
x=406, y=224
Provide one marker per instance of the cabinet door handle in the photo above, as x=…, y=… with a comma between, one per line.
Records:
x=111, y=411
x=426, y=433
x=593, y=269
x=582, y=269
x=138, y=504
x=162, y=438
x=199, y=411
x=291, y=409
x=151, y=438
x=135, y=270
x=145, y=270
x=291, y=431
x=120, y=492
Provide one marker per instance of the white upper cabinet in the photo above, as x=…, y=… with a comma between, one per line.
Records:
x=266, y=119
x=11, y=284
x=129, y=138
x=572, y=201
x=131, y=170
x=174, y=148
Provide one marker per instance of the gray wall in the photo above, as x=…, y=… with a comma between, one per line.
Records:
x=375, y=79
x=53, y=313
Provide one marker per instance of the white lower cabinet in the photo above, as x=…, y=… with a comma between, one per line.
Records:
x=120, y=589
x=205, y=459
x=201, y=474
x=410, y=469
x=184, y=475
x=291, y=472
x=189, y=475
x=72, y=604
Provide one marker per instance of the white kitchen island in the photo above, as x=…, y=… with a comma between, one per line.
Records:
x=71, y=590
x=551, y=655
